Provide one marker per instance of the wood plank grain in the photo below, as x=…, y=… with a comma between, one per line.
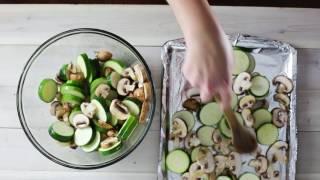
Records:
x=153, y=25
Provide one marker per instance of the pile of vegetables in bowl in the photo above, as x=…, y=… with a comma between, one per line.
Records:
x=200, y=145
x=98, y=102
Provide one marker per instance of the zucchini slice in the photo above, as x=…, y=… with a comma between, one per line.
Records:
x=267, y=134
x=116, y=65
x=84, y=64
x=96, y=83
x=260, y=86
x=74, y=112
x=194, y=153
x=72, y=100
x=63, y=72
x=234, y=100
x=128, y=127
x=243, y=62
x=101, y=126
x=177, y=161
x=248, y=176
x=187, y=117
x=204, y=134
x=133, y=105
x=210, y=114
x=94, y=145
x=114, y=120
x=83, y=136
x=61, y=131
x=78, y=84
x=102, y=113
x=224, y=178
x=261, y=116
x=113, y=79
x=47, y=90
x=75, y=91
x=108, y=151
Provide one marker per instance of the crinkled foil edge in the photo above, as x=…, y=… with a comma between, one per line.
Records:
x=236, y=40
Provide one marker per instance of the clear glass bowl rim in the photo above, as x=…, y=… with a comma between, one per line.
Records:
x=26, y=68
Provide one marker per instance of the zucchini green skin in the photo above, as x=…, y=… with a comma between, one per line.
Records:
x=187, y=117
x=128, y=127
x=47, y=90
x=63, y=72
x=108, y=151
x=172, y=164
x=57, y=135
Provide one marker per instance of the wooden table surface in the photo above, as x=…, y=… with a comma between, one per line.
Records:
x=24, y=27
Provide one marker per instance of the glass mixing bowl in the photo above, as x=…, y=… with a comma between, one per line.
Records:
x=45, y=62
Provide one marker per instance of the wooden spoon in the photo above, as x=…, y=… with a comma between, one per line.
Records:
x=243, y=140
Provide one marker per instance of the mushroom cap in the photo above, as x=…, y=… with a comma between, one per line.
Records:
x=220, y=162
x=284, y=100
x=271, y=174
x=102, y=90
x=129, y=73
x=278, y=152
x=247, y=117
x=108, y=142
x=80, y=121
x=242, y=83
x=185, y=176
x=191, y=104
x=179, y=128
x=260, y=164
x=122, y=86
x=191, y=140
x=195, y=167
x=283, y=83
x=140, y=73
x=119, y=110
x=88, y=109
x=247, y=102
x=147, y=90
x=279, y=117
x=234, y=162
x=207, y=163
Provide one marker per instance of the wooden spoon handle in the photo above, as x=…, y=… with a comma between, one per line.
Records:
x=232, y=119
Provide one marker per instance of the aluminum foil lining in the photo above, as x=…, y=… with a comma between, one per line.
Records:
x=272, y=58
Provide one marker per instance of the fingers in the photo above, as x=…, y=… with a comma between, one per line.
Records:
x=225, y=95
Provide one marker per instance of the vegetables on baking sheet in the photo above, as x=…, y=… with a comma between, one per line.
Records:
x=98, y=102
x=202, y=137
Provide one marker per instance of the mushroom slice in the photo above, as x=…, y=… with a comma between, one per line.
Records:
x=217, y=137
x=278, y=152
x=279, y=117
x=119, y=110
x=242, y=83
x=222, y=144
x=270, y=174
x=220, y=162
x=260, y=164
x=103, y=55
x=191, y=104
x=234, y=163
x=283, y=83
x=247, y=117
x=179, y=128
x=80, y=121
x=144, y=112
x=110, y=141
x=185, y=176
x=102, y=90
x=191, y=141
x=147, y=90
x=284, y=100
x=194, y=167
x=88, y=109
x=54, y=106
x=139, y=94
x=129, y=73
x=122, y=86
x=207, y=163
x=247, y=102
x=140, y=73
x=260, y=104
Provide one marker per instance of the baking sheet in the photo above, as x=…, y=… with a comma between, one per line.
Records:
x=272, y=58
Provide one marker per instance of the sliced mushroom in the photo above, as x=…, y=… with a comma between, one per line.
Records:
x=191, y=104
x=279, y=117
x=217, y=137
x=284, y=100
x=88, y=109
x=110, y=141
x=278, y=152
x=260, y=104
x=234, y=163
x=73, y=73
x=107, y=71
x=270, y=174
x=144, y=112
x=260, y=164
x=139, y=94
x=193, y=93
x=129, y=73
x=102, y=90
x=147, y=90
x=191, y=141
x=194, y=167
x=119, y=110
x=122, y=87
x=103, y=55
x=61, y=111
x=80, y=121
x=54, y=106
x=140, y=73
x=207, y=163
x=179, y=128
x=220, y=162
x=247, y=102
x=185, y=176
x=222, y=144
x=111, y=132
x=242, y=83
x=283, y=83
x=247, y=117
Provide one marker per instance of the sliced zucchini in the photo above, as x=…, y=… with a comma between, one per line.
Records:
x=267, y=134
x=74, y=83
x=187, y=117
x=133, y=105
x=72, y=100
x=83, y=136
x=210, y=114
x=114, y=121
x=102, y=113
x=224, y=178
x=47, y=90
x=113, y=79
x=75, y=91
x=108, y=151
x=96, y=83
x=101, y=126
x=260, y=86
x=177, y=161
x=204, y=134
x=63, y=72
x=234, y=100
x=194, y=153
x=74, y=112
x=249, y=176
x=128, y=127
x=61, y=131
x=85, y=66
x=242, y=62
x=116, y=65
x=94, y=145
x=261, y=116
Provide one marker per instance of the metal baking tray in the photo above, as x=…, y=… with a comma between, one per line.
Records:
x=272, y=58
